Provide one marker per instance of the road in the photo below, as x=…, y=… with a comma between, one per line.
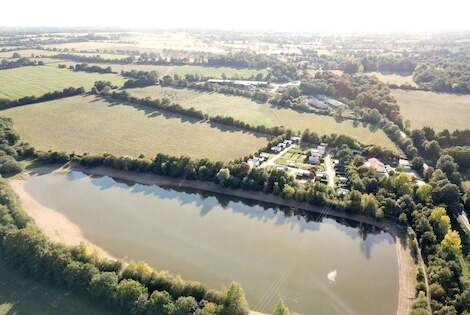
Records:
x=272, y=159
x=330, y=171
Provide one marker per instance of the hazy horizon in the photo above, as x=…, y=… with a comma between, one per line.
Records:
x=334, y=16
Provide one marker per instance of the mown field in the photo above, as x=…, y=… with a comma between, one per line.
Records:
x=264, y=114
x=37, y=80
x=89, y=124
x=393, y=78
x=437, y=110
x=213, y=72
x=24, y=296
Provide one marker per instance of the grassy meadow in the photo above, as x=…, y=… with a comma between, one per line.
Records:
x=90, y=124
x=264, y=114
x=213, y=72
x=24, y=296
x=393, y=78
x=37, y=80
x=437, y=110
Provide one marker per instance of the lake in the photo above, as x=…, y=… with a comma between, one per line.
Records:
x=317, y=265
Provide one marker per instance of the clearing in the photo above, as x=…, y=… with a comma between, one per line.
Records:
x=264, y=114
x=391, y=78
x=94, y=125
x=437, y=110
x=37, y=80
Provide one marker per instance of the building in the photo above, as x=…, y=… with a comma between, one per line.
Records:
x=295, y=140
x=276, y=149
x=316, y=103
x=342, y=179
x=239, y=83
x=303, y=174
x=377, y=166
x=405, y=165
x=264, y=155
x=253, y=162
x=313, y=159
x=331, y=102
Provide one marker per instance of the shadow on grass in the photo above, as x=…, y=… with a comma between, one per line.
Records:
x=152, y=113
x=24, y=296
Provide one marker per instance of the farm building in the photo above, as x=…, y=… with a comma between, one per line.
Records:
x=331, y=102
x=314, y=102
x=239, y=83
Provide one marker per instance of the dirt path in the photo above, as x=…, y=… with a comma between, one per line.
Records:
x=330, y=170
x=406, y=279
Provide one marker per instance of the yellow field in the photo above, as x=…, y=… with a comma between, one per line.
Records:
x=437, y=110
x=264, y=114
x=89, y=124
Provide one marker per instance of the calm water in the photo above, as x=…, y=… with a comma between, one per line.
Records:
x=215, y=239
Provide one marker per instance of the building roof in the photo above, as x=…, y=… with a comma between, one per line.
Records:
x=376, y=165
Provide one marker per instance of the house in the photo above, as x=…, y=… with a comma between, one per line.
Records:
x=342, y=192
x=282, y=145
x=405, y=165
x=264, y=155
x=276, y=149
x=295, y=140
x=377, y=166
x=303, y=174
x=288, y=142
x=253, y=162
x=321, y=149
x=313, y=159
x=342, y=179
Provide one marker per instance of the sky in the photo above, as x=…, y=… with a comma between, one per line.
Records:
x=333, y=16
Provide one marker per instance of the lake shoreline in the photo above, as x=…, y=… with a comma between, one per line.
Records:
x=60, y=229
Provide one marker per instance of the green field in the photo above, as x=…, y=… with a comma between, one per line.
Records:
x=28, y=53
x=22, y=296
x=437, y=110
x=264, y=114
x=90, y=124
x=37, y=80
x=213, y=72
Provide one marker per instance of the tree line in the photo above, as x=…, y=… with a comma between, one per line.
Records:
x=84, y=67
x=71, y=91
x=21, y=62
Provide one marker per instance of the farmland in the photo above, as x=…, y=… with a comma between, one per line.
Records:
x=264, y=114
x=394, y=78
x=437, y=110
x=88, y=124
x=22, y=296
x=213, y=72
x=34, y=53
x=37, y=80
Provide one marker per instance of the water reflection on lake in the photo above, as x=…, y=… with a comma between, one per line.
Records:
x=215, y=239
